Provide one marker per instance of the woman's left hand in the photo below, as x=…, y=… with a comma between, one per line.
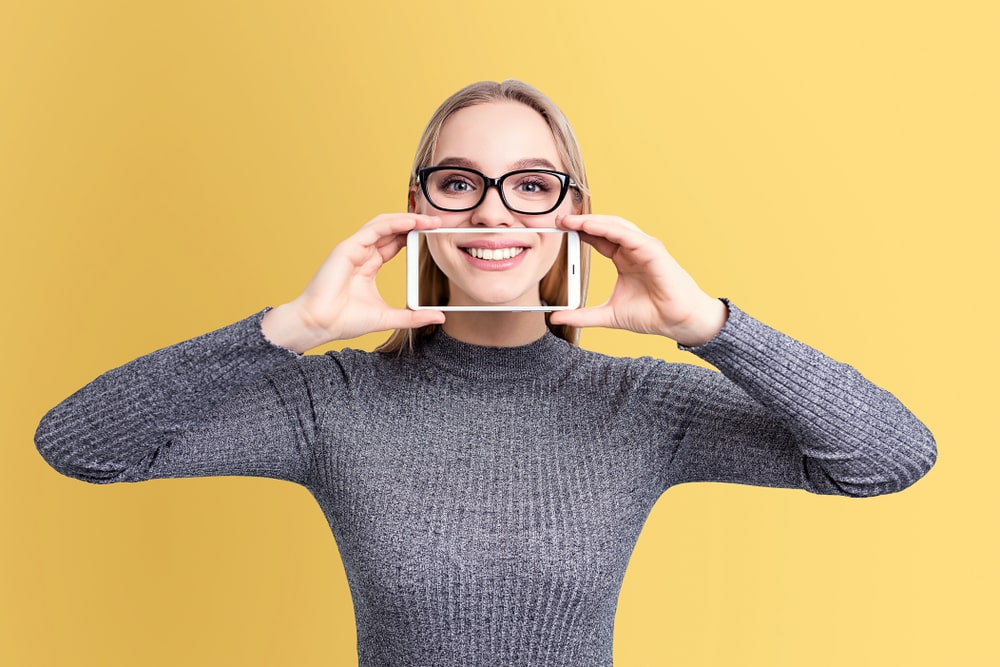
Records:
x=652, y=295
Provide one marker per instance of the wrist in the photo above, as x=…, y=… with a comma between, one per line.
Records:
x=704, y=324
x=285, y=327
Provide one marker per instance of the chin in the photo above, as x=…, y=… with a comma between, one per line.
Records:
x=482, y=298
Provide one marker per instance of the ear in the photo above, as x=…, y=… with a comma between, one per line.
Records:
x=411, y=200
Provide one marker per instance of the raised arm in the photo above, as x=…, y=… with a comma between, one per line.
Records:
x=233, y=401
x=187, y=410
x=780, y=414
x=783, y=414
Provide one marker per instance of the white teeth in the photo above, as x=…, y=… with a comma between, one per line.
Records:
x=494, y=253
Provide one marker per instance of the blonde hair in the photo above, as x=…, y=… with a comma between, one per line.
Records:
x=433, y=283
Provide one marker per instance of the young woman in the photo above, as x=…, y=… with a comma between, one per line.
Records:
x=486, y=479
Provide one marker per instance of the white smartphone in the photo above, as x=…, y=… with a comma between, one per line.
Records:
x=416, y=244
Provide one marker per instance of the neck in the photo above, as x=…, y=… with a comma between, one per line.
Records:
x=503, y=329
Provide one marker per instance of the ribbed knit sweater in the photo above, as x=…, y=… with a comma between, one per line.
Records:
x=486, y=500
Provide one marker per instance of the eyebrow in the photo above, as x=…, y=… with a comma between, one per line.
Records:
x=526, y=163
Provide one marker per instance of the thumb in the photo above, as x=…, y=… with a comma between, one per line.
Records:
x=595, y=316
x=402, y=318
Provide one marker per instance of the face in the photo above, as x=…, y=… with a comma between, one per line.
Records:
x=488, y=268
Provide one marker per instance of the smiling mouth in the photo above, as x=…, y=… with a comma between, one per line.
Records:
x=494, y=254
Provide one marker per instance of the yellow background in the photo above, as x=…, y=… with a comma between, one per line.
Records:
x=168, y=167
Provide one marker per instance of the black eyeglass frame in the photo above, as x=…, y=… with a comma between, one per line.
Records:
x=564, y=180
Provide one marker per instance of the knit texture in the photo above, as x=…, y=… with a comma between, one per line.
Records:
x=486, y=501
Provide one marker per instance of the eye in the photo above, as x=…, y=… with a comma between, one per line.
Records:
x=454, y=184
x=534, y=184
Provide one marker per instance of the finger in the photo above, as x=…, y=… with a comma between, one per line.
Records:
x=390, y=247
x=617, y=230
x=398, y=224
x=385, y=235
x=394, y=224
x=601, y=245
x=598, y=243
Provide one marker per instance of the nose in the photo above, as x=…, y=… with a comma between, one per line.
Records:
x=491, y=212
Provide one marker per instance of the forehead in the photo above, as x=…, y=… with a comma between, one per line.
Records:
x=496, y=135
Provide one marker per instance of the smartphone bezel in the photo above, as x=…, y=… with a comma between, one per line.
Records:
x=572, y=268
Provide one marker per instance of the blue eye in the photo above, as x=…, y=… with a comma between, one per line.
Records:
x=533, y=185
x=456, y=185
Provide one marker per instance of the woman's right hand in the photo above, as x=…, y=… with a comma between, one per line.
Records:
x=342, y=301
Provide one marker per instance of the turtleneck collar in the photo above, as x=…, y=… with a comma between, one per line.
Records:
x=533, y=360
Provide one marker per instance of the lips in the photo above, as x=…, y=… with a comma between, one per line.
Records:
x=494, y=254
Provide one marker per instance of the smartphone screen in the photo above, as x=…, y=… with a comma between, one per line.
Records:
x=494, y=255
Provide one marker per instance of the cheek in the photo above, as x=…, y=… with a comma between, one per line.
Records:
x=550, y=248
x=444, y=256
x=417, y=203
x=448, y=219
x=567, y=207
x=434, y=247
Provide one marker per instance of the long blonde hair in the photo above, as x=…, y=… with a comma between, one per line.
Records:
x=552, y=288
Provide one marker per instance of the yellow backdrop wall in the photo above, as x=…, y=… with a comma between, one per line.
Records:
x=167, y=167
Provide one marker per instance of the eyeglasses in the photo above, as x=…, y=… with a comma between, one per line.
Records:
x=527, y=191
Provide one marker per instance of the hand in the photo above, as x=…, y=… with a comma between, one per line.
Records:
x=653, y=294
x=342, y=301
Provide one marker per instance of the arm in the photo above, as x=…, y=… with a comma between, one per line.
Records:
x=196, y=408
x=230, y=402
x=783, y=414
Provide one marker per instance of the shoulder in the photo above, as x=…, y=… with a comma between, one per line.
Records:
x=643, y=374
x=342, y=367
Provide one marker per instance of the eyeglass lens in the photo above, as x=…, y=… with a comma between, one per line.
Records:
x=524, y=191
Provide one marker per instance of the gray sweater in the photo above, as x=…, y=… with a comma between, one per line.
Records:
x=486, y=500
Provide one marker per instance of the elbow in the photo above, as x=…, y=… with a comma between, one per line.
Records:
x=929, y=454
x=875, y=469
x=51, y=447
x=912, y=458
x=901, y=466
x=72, y=454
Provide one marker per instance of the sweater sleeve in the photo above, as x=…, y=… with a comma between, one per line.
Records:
x=213, y=405
x=783, y=414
